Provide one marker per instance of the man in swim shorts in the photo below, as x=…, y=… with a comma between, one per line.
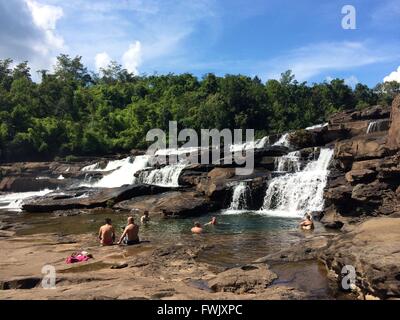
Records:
x=107, y=233
x=130, y=235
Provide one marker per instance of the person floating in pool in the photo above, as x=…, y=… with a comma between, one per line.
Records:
x=197, y=229
x=145, y=218
x=107, y=233
x=213, y=222
x=130, y=235
x=307, y=223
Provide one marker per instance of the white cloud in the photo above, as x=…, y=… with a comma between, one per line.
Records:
x=45, y=17
x=102, y=60
x=312, y=60
x=132, y=57
x=351, y=81
x=393, y=76
x=28, y=31
x=162, y=27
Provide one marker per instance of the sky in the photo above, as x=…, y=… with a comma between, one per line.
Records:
x=251, y=37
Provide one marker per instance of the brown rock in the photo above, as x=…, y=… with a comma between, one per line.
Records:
x=363, y=148
x=243, y=279
x=371, y=192
x=89, y=198
x=372, y=248
x=170, y=204
x=393, y=141
x=360, y=176
x=366, y=164
x=371, y=113
x=24, y=184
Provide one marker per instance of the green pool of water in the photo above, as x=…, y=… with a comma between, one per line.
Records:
x=237, y=239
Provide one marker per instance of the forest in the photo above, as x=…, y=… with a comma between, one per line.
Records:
x=74, y=112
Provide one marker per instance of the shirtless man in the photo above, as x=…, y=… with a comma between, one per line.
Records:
x=197, y=228
x=145, y=218
x=307, y=224
x=131, y=233
x=107, y=233
x=213, y=222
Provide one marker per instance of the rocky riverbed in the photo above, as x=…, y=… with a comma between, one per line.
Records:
x=346, y=171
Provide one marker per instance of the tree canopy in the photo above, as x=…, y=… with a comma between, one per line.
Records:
x=72, y=111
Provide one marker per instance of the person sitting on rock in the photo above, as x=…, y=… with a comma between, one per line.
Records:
x=197, y=228
x=107, y=233
x=130, y=235
x=213, y=222
x=145, y=218
x=307, y=223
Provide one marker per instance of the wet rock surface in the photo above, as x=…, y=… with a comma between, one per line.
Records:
x=144, y=271
x=171, y=204
x=372, y=248
x=89, y=198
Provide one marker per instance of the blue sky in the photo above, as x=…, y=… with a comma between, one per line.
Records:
x=253, y=37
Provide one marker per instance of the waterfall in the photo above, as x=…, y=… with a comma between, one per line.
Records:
x=257, y=144
x=378, y=125
x=111, y=165
x=177, y=151
x=293, y=194
x=165, y=176
x=123, y=175
x=317, y=126
x=283, y=141
x=239, y=197
x=288, y=163
x=14, y=201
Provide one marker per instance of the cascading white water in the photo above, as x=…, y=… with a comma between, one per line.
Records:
x=123, y=175
x=283, y=141
x=14, y=201
x=378, y=125
x=293, y=194
x=165, y=176
x=111, y=165
x=177, y=151
x=317, y=126
x=239, y=198
x=288, y=163
x=257, y=144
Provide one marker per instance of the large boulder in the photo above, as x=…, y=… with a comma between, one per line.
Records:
x=192, y=174
x=88, y=198
x=249, y=278
x=215, y=184
x=360, y=176
x=393, y=141
x=358, y=149
x=372, y=248
x=170, y=204
x=25, y=184
x=371, y=113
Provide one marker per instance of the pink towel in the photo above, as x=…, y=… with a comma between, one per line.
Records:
x=77, y=258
